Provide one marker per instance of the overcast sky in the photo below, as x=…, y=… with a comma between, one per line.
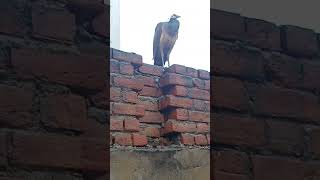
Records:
x=138, y=19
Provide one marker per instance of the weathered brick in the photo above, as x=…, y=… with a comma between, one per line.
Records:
x=187, y=139
x=88, y=154
x=79, y=71
x=199, y=94
x=64, y=111
x=125, y=56
x=201, y=105
x=152, y=132
x=114, y=66
x=299, y=41
x=123, y=139
x=115, y=94
x=116, y=124
x=175, y=79
x=128, y=109
x=150, y=91
x=277, y=168
x=152, y=70
x=199, y=116
x=53, y=24
x=16, y=106
x=200, y=139
x=226, y=25
x=202, y=74
x=132, y=83
x=227, y=60
x=263, y=34
x=149, y=81
x=178, y=114
x=131, y=125
x=152, y=117
x=130, y=96
x=172, y=101
x=202, y=128
x=178, y=91
x=126, y=68
x=226, y=130
x=230, y=93
x=139, y=140
x=149, y=104
x=175, y=126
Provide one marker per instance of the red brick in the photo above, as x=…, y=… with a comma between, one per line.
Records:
x=226, y=130
x=80, y=71
x=115, y=94
x=87, y=154
x=207, y=85
x=179, y=114
x=285, y=137
x=187, y=139
x=199, y=94
x=131, y=125
x=202, y=128
x=172, y=101
x=174, y=126
x=130, y=96
x=263, y=34
x=53, y=24
x=126, y=68
x=176, y=68
x=132, y=83
x=116, y=124
x=152, y=132
x=199, y=116
x=149, y=81
x=128, y=109
x=274, y=101
x=123, y=139
x=150, y=69
x=299, y=41
x=150, y=91
x=19, y=101
x=226, y=25
x=101, y=23
x=64, y=111
x=314, y=145
x=200, y=139
x=125, y=56
x=178, y=91
x=202, y=74
x=201, y=105
x=175, y=79
x=149, y=104
x=238, y=62
x=230, y=93
x=114, y=66
x=199, y=83
x=231, y=161
x=139, y=140
x=152, y=117
x=277, y=168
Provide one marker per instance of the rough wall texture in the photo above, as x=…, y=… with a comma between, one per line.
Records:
x=51, y=70
x=154, y=107
x=266, y=108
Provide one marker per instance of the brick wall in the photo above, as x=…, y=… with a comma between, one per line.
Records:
x=265, y=108
x=155, y=107
x=53, y=66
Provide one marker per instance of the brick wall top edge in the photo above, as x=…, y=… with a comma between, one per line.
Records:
x=137, y=59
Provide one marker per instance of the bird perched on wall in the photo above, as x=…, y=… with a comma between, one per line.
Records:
x=165, y=36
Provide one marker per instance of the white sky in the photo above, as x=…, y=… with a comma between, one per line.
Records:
x=138, y=19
